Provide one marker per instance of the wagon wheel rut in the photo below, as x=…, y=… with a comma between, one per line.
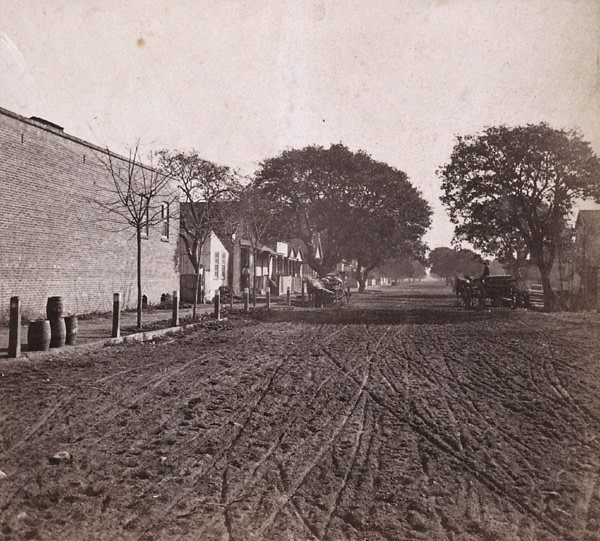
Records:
x=246, y=414
x=295, y=476
x=469, y=395
x=549, y=362
x=317, y=426
x=423, y=423
x=315, y=457
x=299, y=452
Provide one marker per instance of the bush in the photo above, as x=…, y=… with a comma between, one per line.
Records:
x=225, y=293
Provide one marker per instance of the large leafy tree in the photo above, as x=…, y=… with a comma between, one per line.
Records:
x=511, y=188
x=449, y=263
x=402, y=267
x=356, y=207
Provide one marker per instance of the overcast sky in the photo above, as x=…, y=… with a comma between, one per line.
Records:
x=239, y=81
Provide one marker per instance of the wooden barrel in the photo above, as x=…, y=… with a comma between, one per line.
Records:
x=38, y=335
x=58, y=332
x=71, y=330
x=54, y=308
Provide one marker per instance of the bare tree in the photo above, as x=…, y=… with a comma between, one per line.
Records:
x=131, y=202
x=203, y=187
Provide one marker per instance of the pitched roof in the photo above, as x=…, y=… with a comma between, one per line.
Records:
x=589, y=218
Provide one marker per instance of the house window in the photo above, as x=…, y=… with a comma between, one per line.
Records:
x=223, y=265
x=216, y=266
x=164, y=215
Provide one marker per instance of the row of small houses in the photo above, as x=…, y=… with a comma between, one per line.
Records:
x=231, y=263
x=55, y=241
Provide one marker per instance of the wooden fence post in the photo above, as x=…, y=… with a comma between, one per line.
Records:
x=218, y=305
x=116, y=326
x=268, y=299
x=288, y=297
x=175, y=308
x=14, y=331
x=246, y=300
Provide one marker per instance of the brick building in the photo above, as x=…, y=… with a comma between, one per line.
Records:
x=55, y=240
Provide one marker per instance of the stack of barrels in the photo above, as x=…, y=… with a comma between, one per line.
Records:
x=54, y=332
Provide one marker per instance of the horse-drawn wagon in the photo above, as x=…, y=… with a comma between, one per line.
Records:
x=328, y=290
x=500, y=290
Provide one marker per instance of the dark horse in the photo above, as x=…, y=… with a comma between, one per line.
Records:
x=462, y=288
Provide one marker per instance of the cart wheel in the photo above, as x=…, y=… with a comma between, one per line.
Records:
x=338, y=299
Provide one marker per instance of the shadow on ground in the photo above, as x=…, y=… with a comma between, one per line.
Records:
x=442, y=315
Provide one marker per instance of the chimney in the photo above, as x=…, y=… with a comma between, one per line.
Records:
x=47, y=123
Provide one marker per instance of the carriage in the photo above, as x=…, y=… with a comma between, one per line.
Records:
x=500, y=290
x=328, y=290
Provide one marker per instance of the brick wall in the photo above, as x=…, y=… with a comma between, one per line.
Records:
x=54, y=238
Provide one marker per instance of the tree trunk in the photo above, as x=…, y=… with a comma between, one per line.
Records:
x=139, y=278
x=544, y=261
x=549, y=297
x=255, y=256
x=361, y=278
x=196, y=291
x=320, y=269
x=362, y=273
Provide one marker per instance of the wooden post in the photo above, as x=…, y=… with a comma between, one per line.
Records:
x=303, y=290
x=246, y=300
x=116, y=326
x=598, y=294
x=14, y=331
x=175, y=308
x=217, y=304
x=268, y=299
x=288, y=297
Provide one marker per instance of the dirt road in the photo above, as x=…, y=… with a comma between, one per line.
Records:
x=401, y=417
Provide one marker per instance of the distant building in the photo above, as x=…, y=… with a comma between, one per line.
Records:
x=276, y=267
x=587, y=255
x=55, y=240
